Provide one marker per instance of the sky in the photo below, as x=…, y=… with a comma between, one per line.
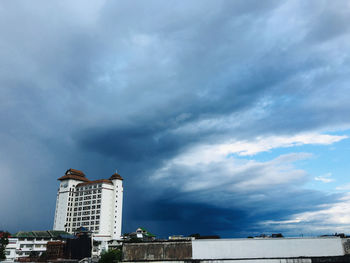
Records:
x=227, y=118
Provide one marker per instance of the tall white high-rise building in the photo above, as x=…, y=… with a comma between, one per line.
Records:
x=96, y=205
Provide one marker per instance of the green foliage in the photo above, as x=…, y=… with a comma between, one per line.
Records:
x=3, y=243
x=43, y=256
x=111, y=256
x=34, y=254
x=135, y=240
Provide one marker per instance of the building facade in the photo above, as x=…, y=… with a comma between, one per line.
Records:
x=23, y=244
x=95, y=205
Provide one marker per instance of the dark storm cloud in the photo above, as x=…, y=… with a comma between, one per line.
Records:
x=124, y=85
x=188, y=217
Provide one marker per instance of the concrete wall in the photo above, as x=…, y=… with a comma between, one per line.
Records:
x=62, y=204
x=118, y=209
x=107, y=211
x=342, y=259
x=157, y=251
x=266, y=248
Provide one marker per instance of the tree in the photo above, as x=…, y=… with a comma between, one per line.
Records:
x=34, y=254
x=3, y=243
x=111, y=256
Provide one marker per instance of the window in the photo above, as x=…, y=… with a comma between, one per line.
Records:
x=96, y=222
x=96, y=227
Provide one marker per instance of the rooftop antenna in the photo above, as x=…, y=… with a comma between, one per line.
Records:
x=116, y=171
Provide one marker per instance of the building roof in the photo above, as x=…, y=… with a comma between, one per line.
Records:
x=75, y=177
x=74, y=174
x=105, y=181
x=116, y=176
x=40, y=234
x=146, y=233
x=80, y=176
x=2, y=234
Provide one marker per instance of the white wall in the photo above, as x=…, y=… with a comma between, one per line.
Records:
x=106, y=215
x=266, y=248
x=118, y=208
x=62, y=203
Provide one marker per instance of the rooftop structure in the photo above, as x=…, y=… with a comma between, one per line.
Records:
x=95, y=205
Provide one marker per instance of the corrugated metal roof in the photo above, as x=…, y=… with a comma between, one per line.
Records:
x=40, y=234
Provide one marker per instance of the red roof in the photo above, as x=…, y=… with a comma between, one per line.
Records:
x=116, y=176
x=74, y=174
x=7, y=234
x=75, y=177
x=106, y=181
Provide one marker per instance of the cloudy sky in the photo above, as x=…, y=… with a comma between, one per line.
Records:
x=223, y=117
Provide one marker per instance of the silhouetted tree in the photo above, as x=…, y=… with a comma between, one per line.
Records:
x=3, y=243
x=111, y=256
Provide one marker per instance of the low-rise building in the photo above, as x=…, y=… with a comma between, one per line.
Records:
x=24, y=244
x=141, y=234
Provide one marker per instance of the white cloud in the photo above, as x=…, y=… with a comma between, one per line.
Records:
x=324, y=178
x=264, y=144
x=205, y=154
x=205, y=168
x=328, y=218
x=345, y=187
